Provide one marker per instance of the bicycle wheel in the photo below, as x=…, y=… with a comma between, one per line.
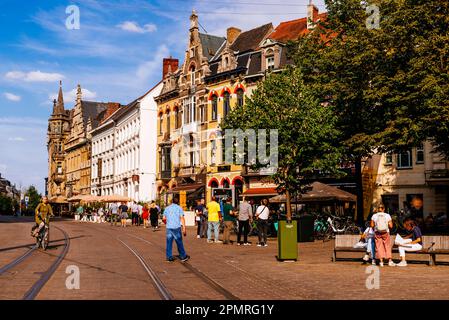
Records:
x=45, y=240
x=328, y=234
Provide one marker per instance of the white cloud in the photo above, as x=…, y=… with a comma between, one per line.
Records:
x=19, y=121
x=151, y=67
x=16, y=139
x=71, y=95
x=132, y=26
x=34, y=76
x=12, y=97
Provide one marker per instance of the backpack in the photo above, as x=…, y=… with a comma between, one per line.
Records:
x=382, y=223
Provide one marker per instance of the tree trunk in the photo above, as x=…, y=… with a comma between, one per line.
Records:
x=359, y=187
x=289, y=206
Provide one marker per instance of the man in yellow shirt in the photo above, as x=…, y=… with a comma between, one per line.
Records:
x=214, y=218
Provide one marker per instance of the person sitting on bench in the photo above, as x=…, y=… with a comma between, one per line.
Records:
x=411, y=243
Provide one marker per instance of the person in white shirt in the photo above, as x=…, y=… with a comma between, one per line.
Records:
x=381, y=222
x=135, y=214
x=367, y=241
x=262, y=214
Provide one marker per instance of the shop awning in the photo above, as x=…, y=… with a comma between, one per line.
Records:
x=319, y=192
x=188, y=188
x=260, y=192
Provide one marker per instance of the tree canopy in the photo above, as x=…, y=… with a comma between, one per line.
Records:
x=306, y=127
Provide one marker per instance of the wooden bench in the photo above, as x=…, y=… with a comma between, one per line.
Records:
x=432, y=245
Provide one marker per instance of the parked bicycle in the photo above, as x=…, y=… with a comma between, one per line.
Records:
x=326, y=226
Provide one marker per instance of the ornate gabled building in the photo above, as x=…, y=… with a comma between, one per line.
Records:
x=69, y=147
x=183, y=115
x=217, y=74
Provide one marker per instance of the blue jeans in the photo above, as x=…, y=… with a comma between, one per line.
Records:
x=175, y=234
x=216, y=227
x=371, y=248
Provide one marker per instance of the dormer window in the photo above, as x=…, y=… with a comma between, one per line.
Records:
x=269, y=60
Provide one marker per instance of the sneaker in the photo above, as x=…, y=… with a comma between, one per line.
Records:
x=391, y=264
x=365, y=258
x=259, y=244
x=373, y=262
x=210, y=241
x=402, y=264
x=218, y=241
x=171, y=259
x=197, y=237
x=381, y=264
x=225, y=242
x=239, y=244
x=185, y=259
x=247, y=244
x=265, y=245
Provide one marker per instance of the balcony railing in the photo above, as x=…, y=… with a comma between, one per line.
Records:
x=439, y=175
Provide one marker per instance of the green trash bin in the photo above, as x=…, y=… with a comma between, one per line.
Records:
x=287, y=240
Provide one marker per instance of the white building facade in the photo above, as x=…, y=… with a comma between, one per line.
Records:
x=124, y=150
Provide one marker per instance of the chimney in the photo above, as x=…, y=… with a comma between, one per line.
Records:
x=169, y=65
x=232, y=34
x=312, y=15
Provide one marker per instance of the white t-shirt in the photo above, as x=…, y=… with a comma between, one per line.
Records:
x=376, y=216
x=369, y=232
x=262, y=212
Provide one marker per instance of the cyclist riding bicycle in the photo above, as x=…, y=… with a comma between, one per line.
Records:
x=42, y=216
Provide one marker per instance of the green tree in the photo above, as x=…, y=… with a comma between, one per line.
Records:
x=306, y=129
x=35, y=197
x=388, y=85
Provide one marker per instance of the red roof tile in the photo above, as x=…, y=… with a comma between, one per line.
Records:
x=292, y=30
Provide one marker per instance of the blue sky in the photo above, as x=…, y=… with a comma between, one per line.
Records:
x=116, y=55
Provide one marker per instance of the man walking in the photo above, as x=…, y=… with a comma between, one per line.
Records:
x=214, y=218
x=229, y=220
x=245, y=218
x=135, y=214
x=176, y=228
x=200, y=218
x=113, y=209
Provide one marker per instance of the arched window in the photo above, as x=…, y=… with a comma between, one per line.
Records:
x=167, y=115
x=214, y=107
x=192, y=75
x=226, y=103
x=176, y=118
x=240, y=97
x=161, y=122
x=225, y=183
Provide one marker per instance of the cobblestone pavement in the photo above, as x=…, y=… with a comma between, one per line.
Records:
x=109, y=270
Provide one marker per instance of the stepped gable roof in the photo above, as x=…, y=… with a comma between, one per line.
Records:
x=250, y=40
x=210, y=44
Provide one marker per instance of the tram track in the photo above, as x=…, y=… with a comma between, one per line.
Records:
x=37, y=286
x=159, y=284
